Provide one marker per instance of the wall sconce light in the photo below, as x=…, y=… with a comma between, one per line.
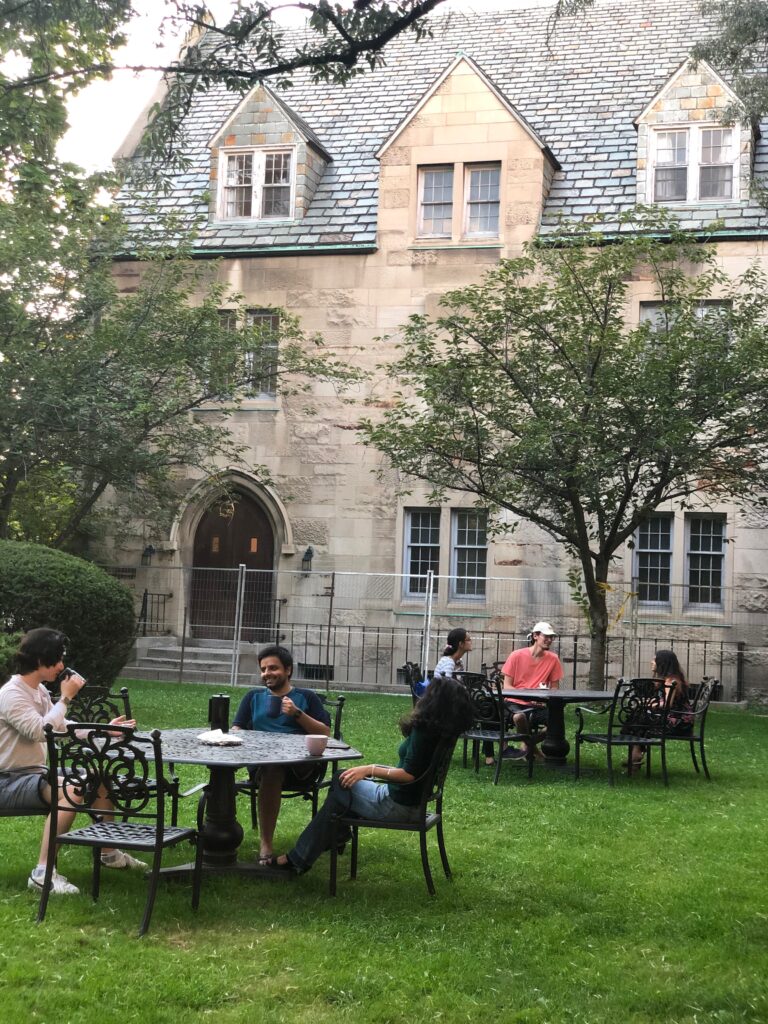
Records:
x=146, y=555
x=306, y=561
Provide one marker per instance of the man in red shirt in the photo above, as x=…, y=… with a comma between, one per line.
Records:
x=528, y=669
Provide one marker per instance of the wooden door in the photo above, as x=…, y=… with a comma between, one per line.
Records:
x=230, y=534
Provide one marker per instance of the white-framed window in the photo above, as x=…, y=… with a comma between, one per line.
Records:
x=705, y=560
x=653, y=560
x=696, y=163
x=259, y=364
x=482, y=185
x=459, y=200
x=436, y=201
x=256, y=184
x=659, y=314
x=469, y=552
x=421, y=549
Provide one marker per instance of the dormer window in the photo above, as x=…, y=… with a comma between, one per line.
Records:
x=693, y=164
x=459, y=201
x=256, y=184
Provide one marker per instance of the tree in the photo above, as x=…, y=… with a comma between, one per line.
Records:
x=102, y=389
x=60, y=47
x=738, y=45
x=532, y=393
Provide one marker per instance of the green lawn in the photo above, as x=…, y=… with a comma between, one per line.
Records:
x=570, y=902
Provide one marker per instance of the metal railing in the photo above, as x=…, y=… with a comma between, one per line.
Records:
x=348, y=629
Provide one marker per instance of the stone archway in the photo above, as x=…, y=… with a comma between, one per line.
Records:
x=232, y=531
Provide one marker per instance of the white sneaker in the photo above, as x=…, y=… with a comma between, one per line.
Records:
x=59, y=884
x=121, y=859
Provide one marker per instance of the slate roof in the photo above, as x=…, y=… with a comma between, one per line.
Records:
x=581, y=96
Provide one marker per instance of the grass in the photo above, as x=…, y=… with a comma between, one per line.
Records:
x=571, y=902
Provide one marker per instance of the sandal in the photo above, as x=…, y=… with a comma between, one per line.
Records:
x=266, y=860
x=272, y=862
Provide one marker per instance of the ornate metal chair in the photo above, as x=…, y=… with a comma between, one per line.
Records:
x=95, y=703
x=635, y=717
x=94, y=763
x=311, y=791
x=703, y=696
x=492, y=723
x=430, y=816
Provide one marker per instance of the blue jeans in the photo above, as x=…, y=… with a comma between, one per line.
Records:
x=366, y=799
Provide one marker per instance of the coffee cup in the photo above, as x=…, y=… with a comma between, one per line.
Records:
x=274, y=705
x=316, y=744
x=543, y=686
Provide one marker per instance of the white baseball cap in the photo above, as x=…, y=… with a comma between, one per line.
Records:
x=543, y=627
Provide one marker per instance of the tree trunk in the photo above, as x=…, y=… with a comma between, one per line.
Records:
x=10, y=485
x=598, y=612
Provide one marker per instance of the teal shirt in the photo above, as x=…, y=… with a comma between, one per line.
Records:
x=414, y=756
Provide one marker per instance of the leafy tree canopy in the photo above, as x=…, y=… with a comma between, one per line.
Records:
x=532, y=391
x=59, y=47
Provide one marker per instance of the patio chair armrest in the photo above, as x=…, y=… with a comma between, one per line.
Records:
x=580, y=711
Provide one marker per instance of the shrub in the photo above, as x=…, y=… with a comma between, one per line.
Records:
x=9, y=644
x=43, y=587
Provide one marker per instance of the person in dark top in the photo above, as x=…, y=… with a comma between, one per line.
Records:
x=671, y=684
x=388, y=793
x=301, y=711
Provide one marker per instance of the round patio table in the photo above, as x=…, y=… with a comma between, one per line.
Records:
x=555, y=746
x=222, y=832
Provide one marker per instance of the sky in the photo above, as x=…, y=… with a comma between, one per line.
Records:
x=101, y=115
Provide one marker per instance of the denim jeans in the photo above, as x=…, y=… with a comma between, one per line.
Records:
x=366, y=799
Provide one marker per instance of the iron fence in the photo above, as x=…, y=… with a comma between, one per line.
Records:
x=359, y=629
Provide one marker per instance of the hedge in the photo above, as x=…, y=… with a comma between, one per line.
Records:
x=43, y=587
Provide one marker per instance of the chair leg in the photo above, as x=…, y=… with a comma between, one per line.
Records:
x=197, y=876
x=334, y=855
x=49, y=866
x=693, y=756
x=353, y=853
x=497, y=773
x=441, y=848
x=425, y=862
x=664, y=763
x=577, y=759
x=610, y=764
x=704, y=759
x=154, y=878
x=254, y=815
x=464, y=754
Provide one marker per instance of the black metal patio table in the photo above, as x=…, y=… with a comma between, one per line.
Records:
x=555, y=746
x=222, y=832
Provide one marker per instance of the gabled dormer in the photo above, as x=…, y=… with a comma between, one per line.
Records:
x=266, y=162
x=686, y=154
x=463, y=169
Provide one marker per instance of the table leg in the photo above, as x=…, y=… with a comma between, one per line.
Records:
x=222, y=832
x=555, y=747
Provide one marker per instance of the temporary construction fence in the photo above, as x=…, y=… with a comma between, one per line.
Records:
x=350, y=629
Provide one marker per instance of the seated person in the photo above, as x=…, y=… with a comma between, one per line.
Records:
x=459, y=643
x=528, y=669
x=25, y=709
x=667, y=669
x=389, y=793
x=300, y=711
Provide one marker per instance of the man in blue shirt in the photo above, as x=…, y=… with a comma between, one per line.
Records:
x=300, y=711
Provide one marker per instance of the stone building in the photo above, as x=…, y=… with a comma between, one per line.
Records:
x=355, y=207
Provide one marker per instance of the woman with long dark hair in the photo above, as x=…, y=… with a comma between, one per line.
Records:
x=667, y=669
x=391, y=793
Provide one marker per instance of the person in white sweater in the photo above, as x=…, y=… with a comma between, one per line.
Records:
x=25, y=709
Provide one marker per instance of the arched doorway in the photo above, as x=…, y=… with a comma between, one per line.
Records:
x=234, y=530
